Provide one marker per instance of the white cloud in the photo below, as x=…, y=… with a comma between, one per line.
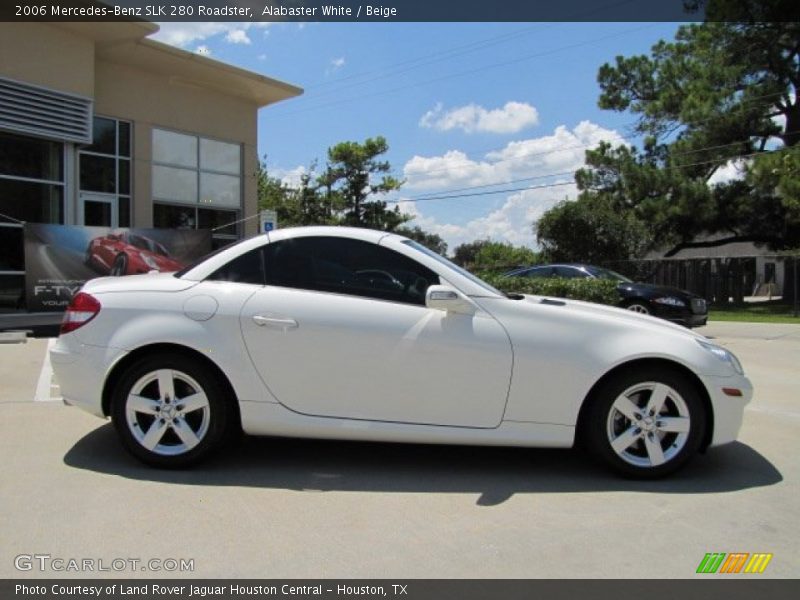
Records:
x=262, y=57
x=561, y=152
x=290, y=177
x=203, y=49
x=512, y=222
x=511, y=118
x=334, y=65
x=238, y=36
x=732, y=170
x=184, y=34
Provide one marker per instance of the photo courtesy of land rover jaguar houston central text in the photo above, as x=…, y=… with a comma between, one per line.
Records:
x=340, y=333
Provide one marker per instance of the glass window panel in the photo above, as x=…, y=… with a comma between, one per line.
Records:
x=218, y=243
x=124, y=176
x=96, y=214
x=220, y=190
x=98, y=174
x=248, y=268
x=12, y=292
x=211, y=219
x=104, y=136
x=124, y=148
x=347, y=267
x=11, y=254
x=219, y=156
x=29, y=157
x=174, y=148
x=124, y=212
x=173, y=217
x=177, y=185
x=34, y=202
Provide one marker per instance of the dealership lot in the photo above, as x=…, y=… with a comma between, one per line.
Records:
x=296, y=508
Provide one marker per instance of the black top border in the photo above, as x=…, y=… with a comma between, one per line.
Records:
x=400, y=10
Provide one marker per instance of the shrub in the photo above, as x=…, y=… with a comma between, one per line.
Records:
x=600, y=291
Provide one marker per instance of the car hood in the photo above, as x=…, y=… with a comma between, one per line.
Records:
x=148, y=282
x=603, y=312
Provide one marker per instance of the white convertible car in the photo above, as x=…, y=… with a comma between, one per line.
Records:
x=332, y=332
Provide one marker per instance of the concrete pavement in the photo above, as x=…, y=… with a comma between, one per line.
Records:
x=295, y=508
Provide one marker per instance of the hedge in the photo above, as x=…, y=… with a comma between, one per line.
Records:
x=600, y=291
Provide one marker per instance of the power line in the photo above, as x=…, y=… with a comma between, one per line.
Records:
x=471, y=71
x=503, y=191
x=452, y=52
x=490, y=193
x=590, y=144
x=391, y=70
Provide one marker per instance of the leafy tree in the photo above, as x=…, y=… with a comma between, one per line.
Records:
x=431, y=241
x=464, y=254
x=356, y=173
x=489, y=255
x=722, y=89
x=590, y=229
x=503, y=256
x=274, y=195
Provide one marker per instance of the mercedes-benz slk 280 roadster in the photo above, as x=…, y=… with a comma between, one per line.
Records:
x=340, y=333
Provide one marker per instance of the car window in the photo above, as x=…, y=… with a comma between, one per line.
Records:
x=538, y=272
x=345, y=266
x=247, y=268
x=570, y=273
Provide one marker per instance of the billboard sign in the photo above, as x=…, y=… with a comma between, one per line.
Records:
x=59, y=259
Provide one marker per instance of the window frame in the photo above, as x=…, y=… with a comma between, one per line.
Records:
x=342, y=292
x=198, y=171
x=117, y=196
x=62, y=183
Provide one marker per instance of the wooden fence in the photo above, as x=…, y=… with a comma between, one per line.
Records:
x=718, y=280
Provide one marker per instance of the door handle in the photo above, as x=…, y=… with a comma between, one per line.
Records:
x=275, y=322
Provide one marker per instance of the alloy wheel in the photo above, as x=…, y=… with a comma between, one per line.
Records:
x=167, y=412
x=648, y=424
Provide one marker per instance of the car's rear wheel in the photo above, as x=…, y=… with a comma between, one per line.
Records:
x=639, y=307
x=646, y=423
x=120, y=265
x=170, y=411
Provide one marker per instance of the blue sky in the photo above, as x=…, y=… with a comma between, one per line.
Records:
x=461, y=105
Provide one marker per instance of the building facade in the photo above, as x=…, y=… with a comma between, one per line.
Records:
x=102, y=126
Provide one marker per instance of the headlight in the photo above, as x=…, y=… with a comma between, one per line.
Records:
x=724, y=355
x=149, y=261
x=670, y=301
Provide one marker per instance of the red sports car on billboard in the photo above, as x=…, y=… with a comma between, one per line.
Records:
x=127, y=253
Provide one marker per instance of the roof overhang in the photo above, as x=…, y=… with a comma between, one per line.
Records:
x=125, y=43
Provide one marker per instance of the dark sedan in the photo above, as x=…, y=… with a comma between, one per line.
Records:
x=672, y=304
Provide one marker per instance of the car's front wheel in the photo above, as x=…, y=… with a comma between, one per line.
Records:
x=645, y=423
x=169, y=411
x=639, y=307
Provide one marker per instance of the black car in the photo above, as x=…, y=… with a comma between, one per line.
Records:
x=668, y=303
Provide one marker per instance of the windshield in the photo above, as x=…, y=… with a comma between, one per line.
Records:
x=608, y=274
x=453, y=266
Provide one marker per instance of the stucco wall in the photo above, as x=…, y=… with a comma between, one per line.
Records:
x=45, y=55
x=151, y=100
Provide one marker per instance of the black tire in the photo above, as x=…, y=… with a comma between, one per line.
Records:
x=639, y=306
x=603, y=422
x=120, y=266
x=210, y=425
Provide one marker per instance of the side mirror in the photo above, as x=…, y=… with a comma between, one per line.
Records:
x=443, y=297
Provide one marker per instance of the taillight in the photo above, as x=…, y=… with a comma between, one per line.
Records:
x=80, y=311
